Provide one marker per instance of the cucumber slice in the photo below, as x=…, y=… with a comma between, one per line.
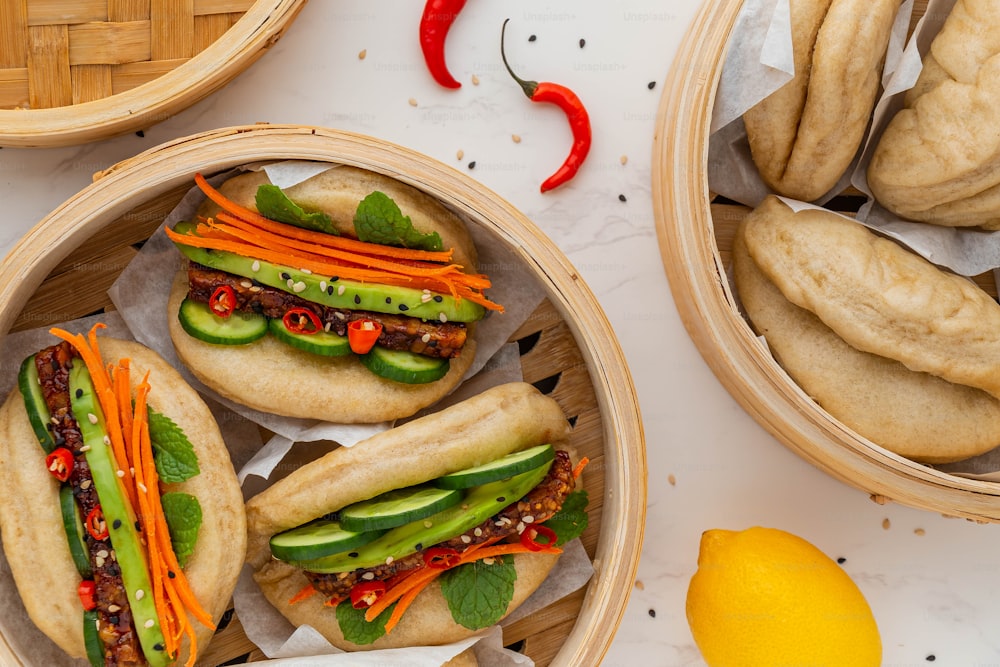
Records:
x=502, y=468
x=92, y=639
x=34, y=403
x=398, y=507
x=404, y=366
x=74, y=531
x=324, y=343
x=200, y=322
x=317, y=539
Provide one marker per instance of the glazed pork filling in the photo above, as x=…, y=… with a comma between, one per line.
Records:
x=442, y=340
x=539, y=505
x=115, y=626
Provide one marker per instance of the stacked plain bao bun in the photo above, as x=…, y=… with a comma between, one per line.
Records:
x=892, y=346
x=804, y=136
x=938, y=160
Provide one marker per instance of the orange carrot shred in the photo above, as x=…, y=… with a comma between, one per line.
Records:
x=306, y=592
x=580, y=466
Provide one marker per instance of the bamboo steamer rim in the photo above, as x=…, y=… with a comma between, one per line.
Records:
x=708, y=309
x=172, y=164
x=158, y=99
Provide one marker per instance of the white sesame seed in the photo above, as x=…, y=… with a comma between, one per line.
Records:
x=322, y=285
x=478, y=532
x=528, y=519
x=298, y=287
x=368, y=576
x=113, y=608
x=142, y=487
x=85, y=448
x=442, y=317
x=103, y=553
x=426, y=338
x=466, y=539
x=140, y=594
x=255, y=266
x=306, y=271
x=246, y=284
x=489, y=561
x=341, y=290
x=289, y=282
x=120, y=473
x=256, y=288
x=340, y=316
x=99, y=561
x=427, y=524
x=520, y=527
x=326, y=327
x=424, y=298
x=388, y=560
x=85, y=484
x=149, y=623
x=91, y=417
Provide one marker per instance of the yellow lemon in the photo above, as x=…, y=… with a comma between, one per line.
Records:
x=765, y=597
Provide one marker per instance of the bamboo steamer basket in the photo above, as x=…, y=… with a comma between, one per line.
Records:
x=568, y=348
x=78, y=71
x=695, y=232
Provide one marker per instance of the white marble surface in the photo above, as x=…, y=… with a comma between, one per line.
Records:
x=932, y=581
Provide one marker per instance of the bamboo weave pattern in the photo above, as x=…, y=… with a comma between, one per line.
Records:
x=56, y=53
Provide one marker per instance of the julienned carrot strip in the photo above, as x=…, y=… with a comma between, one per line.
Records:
x=266, y=239
x=316, y=237
x=304, y=593
x=418, y=580
x=401, y=606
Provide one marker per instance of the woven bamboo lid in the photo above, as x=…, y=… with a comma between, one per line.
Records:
x=85, y=70
x=695, y=235
x=569, y=349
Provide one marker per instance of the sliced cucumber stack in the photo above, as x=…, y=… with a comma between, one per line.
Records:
x=200, y=322
x=395, y=508
x=404, y=366
x=503, y=468
x=323, y=343
x=317, y=539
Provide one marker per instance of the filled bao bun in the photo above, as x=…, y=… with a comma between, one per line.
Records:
x=895, y=348
x=270, y=376
x=505, y=419
x=35, y=541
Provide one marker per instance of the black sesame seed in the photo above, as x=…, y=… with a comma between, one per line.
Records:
x=388, y=299
x=651, y=85
x=438, y=298
x=171, y=574
x=353, y=554
x=931, y=658
x=472, y=165
x=329, y=290
x=583, y=42
x=157, y=646
x=841, y=560
x=502, y=499
x=113, y=620
x=116, y=524
x=532, y=38
x=403, y=307
x=652, y=613
x=419, y=546
x=285, y=276
x=140, y=134
x=79, y=393
x=334, y=279
x=138, y=527
x=622, y=198
x=357, y=299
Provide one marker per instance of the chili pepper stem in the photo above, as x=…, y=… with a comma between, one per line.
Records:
x=529, y=87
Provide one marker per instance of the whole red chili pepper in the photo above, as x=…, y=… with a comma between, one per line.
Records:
x=434, y=25
x=576, y=113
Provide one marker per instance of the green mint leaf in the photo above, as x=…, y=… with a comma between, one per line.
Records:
x=571, y=520
x=183, y=514
x=477, y=593
x=354, y=626
x=273, y=203
x=379, y=220
x=173, y=453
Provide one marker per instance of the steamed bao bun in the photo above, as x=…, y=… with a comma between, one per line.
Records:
x=273, y=377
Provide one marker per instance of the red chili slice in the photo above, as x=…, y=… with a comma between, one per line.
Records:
x=530, y=535
x=362, y=335
x=96, y=525
x=302, y=321
x=441, y=558
x=365, y=593
x=223, y=301
x=86, y=590
x=60, y=463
